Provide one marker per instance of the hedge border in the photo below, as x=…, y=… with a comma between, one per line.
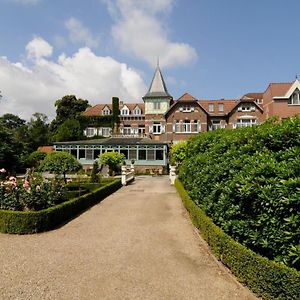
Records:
x=21, y=222
x=266, y=278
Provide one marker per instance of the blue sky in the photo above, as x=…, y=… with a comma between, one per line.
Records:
x=97, y=49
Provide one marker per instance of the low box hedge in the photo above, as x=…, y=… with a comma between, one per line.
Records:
x=37, y=221
x=266, y=278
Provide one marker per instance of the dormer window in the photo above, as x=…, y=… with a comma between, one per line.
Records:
x=125, y=111
x=295, y=98
x=187, y=108
x=137, y=111
x=105, y=111
x=211, y=107
x=220, y=107
x=246, y=108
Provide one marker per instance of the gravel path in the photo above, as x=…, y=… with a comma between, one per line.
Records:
x=136, y=244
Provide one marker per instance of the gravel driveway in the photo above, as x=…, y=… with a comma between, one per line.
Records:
x=136, y=244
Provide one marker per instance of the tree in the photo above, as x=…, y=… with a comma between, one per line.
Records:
x=95, y=178
x=35, y=158
x=60, y=163
x=12, y=121
x=70, y=130
x=112, y=159
x=10, y=149
x=38, y=131
x=178, y=153
x=68, y=107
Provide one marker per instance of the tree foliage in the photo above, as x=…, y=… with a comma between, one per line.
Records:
x=112, y=159
x=60, y=163
x=178, y=153
x=70, y=130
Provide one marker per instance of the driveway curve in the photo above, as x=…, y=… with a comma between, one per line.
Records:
x=136, y=244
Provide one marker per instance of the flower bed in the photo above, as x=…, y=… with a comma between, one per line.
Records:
x=24, y=222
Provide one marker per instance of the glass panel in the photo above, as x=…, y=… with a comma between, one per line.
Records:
x=125, y=152
x=159, y=154
x=132, y=153
x=74, y=152
x=81, y=153
x=142, y=155
x=97, y=152
x=89, y=154
x=150, y=154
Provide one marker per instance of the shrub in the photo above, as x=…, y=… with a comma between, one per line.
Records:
x=268, y=279
x=112, y=159
x=247, y=180
x=46, y=219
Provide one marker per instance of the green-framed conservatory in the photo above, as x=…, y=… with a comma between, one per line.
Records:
x=144, y=151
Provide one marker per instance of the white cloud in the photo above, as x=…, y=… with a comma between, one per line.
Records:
x=38, y=48
x=27, y=90
x=80, y=34
x=139, y=31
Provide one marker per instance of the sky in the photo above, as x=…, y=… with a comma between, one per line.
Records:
x=97, y=49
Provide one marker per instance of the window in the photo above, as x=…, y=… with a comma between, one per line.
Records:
x=105, y=111
x=245, y=122
x=246, y=107
x=150, y=154
x=90, y=132
x=159, y=155
x=187, y=126
x=132, y=153
x=105, y=131
x=216, y=124
x=126, y=130
x=97, y=152
x=142, y=154
x=186, y=108
x=156, y=105
x=125, y=111
x=125, y=152
x=211, y=107
x=156, y=128
x=89, y=154
x=81, y=153
x=295, y=98
x=221, y=107
x=176, y=126
x=137, y=111
x=74, y=152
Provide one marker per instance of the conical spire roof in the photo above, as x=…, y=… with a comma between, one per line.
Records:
x=158, y=87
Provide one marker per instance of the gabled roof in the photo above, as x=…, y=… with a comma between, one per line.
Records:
x=253, y=96
x=158, y=87
x=96, y=110
x=228, y=105
x=186, y=97
x=279, y=89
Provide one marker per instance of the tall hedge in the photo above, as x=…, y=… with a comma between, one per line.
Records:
x=37, y=221
x=266, y=278
x=248, y=181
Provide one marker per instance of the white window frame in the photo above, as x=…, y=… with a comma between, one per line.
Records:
x=187, y=126
x=125, y=111
x=220, y=107
x=137, y=111
x=295, y=98
x=157, y=128
x=245, y=122
x=156, y=105
x=211, y=107
x=105, y=131
x=90, y=131
x=105, y=111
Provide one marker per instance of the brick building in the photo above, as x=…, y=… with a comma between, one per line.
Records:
x=166, y=120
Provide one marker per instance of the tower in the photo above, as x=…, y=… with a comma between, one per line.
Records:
x=157, y=102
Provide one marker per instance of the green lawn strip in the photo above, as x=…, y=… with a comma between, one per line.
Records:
x=21, y=222
x=266, y=278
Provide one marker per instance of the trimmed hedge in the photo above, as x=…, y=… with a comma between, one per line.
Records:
x=268, y=279
x=37, y=221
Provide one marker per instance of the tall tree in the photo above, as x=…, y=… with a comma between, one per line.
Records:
x=70, y=130
x=38, y=131
x=68, y=107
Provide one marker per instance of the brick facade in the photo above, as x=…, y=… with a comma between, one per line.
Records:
x=165, y=120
